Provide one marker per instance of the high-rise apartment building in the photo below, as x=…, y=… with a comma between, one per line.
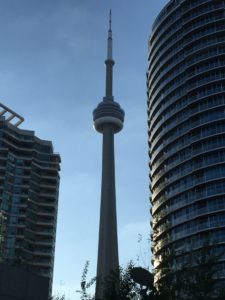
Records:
x=29, y=183
x=186, y=115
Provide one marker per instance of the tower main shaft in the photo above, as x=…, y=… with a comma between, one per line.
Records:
x=108, y=120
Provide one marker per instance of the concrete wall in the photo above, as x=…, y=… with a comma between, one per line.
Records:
x=21, y=284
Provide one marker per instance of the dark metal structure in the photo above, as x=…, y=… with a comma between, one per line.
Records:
x=10, y=115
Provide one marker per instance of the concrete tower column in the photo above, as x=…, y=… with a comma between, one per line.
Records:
x=108, y=120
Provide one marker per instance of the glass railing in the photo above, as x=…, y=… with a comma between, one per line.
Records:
x=206, y=67
x=186, y=201
x=193, y=124
x=185, y=32
x=182, y=89
x=188, y=100
x=184, y=54
x=157, y=77
x=169, y=24
x=162, y=58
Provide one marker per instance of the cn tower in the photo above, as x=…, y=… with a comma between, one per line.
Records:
x=108, y=119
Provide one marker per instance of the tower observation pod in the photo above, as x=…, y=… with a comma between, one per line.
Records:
x=108, y=119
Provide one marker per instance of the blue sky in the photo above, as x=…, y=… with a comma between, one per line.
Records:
x=52, y=73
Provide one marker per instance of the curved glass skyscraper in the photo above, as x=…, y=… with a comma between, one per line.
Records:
x=186, y=115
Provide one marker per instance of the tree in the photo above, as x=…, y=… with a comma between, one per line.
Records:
x=193, y=279
x=85, y=285
x=119, y=285
x=57, y=297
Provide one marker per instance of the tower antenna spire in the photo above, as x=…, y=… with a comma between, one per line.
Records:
x=110, y=19
x=109, y=41
x=109, y=62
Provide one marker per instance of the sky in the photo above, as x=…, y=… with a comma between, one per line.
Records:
x=52, y=73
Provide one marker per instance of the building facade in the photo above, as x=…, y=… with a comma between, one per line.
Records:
x=18, y=283
x=186, y=118
x=29, y=183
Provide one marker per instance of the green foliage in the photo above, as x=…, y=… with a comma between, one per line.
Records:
x=144, y=251
x=58, y=298
x=120, y=286
x=85, y=285
x=194, y=279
